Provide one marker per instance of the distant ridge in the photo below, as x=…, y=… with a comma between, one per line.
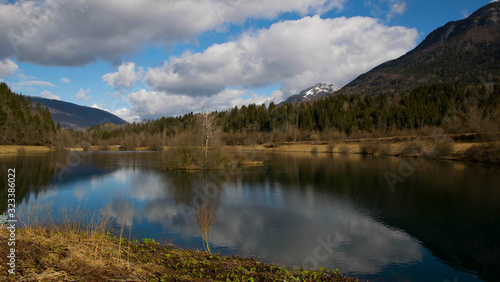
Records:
x=465, y=51
x=312, y=93
x=74, y=116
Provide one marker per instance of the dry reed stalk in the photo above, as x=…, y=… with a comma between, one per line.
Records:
x=101, y=229
x=121, y=232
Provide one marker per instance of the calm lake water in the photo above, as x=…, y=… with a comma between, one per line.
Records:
x=442, y=223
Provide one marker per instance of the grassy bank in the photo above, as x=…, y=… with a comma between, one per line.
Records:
x=18, y=149
x=74, y=252
x=486, y=152
x=446, y=149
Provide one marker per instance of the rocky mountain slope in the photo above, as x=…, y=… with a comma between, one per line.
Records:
x=465, y=51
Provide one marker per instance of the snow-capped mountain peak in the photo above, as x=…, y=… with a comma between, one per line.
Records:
x=313, y=92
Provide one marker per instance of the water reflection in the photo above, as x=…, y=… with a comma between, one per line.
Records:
x=330, y=211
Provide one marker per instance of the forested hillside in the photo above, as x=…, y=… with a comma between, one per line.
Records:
x=21, y=123
x=465, y=51
x=74, y=116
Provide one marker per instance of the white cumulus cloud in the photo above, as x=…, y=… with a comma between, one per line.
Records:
x=47, y=94
x=127, y=115
x=154, y=104
x=70, y=33
x=296, y=54
x=7, y=68
x=65, y=80
x=125, y=77
x=82, y=95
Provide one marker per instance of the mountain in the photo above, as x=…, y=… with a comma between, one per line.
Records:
x=465, y=51
x=312, y=93
x=74, y=116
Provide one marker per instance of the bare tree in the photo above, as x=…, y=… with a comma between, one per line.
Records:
x=208, y=131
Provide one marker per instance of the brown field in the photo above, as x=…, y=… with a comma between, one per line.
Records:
x=15, y=149
x=353, y=148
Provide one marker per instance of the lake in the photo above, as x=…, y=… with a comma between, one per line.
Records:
x=375, y=218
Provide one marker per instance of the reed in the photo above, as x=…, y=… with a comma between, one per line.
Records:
x=79, y=247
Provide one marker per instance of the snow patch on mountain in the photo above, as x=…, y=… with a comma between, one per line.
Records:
x=312, y=93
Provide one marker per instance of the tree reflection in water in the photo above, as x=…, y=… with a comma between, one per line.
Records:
x=202, y=197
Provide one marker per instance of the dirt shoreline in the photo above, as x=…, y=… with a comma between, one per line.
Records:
x=45, y=253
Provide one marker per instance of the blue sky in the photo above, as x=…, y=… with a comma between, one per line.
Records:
x=150, y=58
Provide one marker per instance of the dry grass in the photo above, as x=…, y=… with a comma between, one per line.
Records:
x=320, y=148
x=73, y=246
x=443, y=148
x=251, y=163
x=15, y=149
x=79, y=247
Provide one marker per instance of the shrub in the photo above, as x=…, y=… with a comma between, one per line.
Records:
x=487, y=153
x=411, y=148
x=330, y=147
x=129, y=144
x=369, y=147
x=155, y=143
x=314, y=150
x=443, y=147
x=314, y=137
x=385, y=149
x=183, y=152
x=344, y=149
x=104, y=148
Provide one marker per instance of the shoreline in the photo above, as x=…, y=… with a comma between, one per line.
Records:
x=379, y=148
x=22, y=149
x=48, y=253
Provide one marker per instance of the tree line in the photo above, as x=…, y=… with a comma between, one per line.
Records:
x=457, y=108
x=21, y=123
